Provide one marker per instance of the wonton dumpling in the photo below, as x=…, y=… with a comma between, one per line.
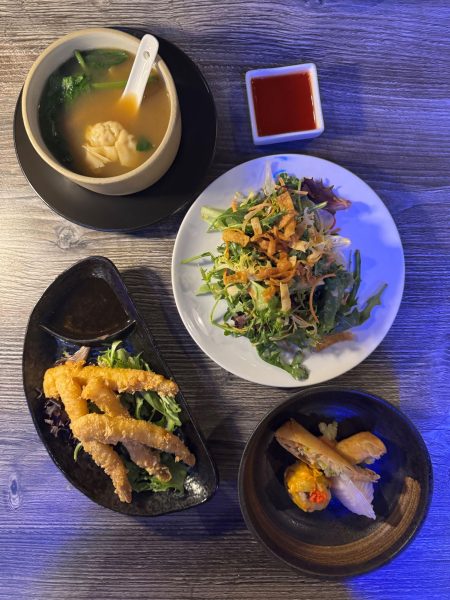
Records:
x=103, y=134
x=99, y=156
x=93, y=158
x=109, y=142
x=126, y=148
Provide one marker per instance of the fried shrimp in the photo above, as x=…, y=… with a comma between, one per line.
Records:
x=103, y=396
x=69, y=390
x=119, y=380
x=130, y=380
x=76, y=383
x=107, y=401
x=148, y=459
x=111, y=430
x=60, y=383
x=108, y=459
x=66, y=371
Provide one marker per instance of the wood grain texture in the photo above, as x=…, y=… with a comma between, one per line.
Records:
x=384, y=69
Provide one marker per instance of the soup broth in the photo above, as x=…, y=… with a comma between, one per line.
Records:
x=90, y=131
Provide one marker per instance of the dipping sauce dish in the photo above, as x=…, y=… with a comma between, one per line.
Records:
x=284, y=103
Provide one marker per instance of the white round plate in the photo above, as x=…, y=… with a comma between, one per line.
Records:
x=367, y=223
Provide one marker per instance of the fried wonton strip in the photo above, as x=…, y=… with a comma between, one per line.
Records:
x=110, y=404
x=269, y=292
x=285, y=202
x=111, y=430
x=272, y=247
x=285, y=297
x=311, y=295
x=255, y=210
x=286, y=219
x=108, y=459
x=129, y=380
x=300, y=245
x=329, y=340
x=239, y=277
x=236, y=236
x=256, y=225
x=69, y=390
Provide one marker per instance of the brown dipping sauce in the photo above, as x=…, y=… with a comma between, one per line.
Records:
x=91, y=309
x=283, y=103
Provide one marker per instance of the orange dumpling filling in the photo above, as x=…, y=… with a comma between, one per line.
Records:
x=308, y=488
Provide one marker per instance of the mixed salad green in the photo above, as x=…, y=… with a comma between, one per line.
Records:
x=281, y=272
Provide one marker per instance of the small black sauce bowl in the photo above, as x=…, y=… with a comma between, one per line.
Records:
x=104, y=338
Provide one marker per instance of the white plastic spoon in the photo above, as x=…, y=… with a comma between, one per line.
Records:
x=140, y=71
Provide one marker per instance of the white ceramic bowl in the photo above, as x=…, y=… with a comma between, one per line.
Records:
x=52, y=58
x=317, y=107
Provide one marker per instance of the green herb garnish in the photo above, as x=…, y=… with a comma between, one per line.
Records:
x=143, y=145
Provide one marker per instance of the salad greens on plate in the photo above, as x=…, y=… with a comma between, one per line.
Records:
x=281, y=273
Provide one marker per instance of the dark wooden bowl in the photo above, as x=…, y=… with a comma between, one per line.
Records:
x=335, y=542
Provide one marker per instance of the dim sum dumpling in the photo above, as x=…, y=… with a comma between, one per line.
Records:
x=109, y=142
x=126, y=148
x=103, y=134
x=93, y=158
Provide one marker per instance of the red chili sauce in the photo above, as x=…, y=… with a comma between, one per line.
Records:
x=283, y=103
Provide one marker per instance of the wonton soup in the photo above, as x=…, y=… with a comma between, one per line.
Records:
x=86, y=127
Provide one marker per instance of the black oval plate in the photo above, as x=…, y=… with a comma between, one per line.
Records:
x=178, y=187
x=335, y=542
x=41, y=349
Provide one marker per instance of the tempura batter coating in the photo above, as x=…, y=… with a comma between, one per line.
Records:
x=104, y=397
x=69, y=390
x=111, y=430
x=130, y=380
x=107, y=401
x=68, y=369
x=60, y=383
x=119, y=380
x=148, y=459
x=108, y=459
x=96, y=432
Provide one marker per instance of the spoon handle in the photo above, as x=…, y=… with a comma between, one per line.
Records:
x=140, y=71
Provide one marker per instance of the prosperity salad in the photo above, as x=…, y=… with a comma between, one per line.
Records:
x=124, y=415
x=281, y=273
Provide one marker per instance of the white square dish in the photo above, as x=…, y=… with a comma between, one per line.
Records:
x=291, y=135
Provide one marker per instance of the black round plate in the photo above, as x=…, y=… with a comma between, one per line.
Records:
x=178, y=187
x=335, y=542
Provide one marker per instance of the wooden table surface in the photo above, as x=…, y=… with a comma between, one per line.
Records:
x=384, y=72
